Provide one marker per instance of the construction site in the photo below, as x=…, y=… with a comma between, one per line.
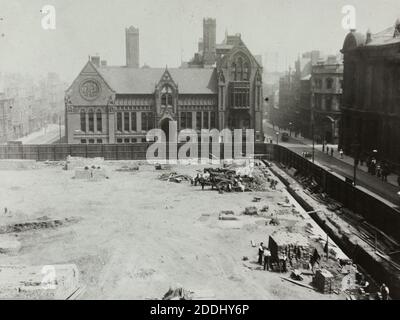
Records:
x=89, y=228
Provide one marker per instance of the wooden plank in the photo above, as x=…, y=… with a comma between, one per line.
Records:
x=299, y=283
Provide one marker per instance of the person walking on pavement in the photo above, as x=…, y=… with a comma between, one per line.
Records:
x=267, y=258
x=260, y=253
x=331, y=152
x=341, y=153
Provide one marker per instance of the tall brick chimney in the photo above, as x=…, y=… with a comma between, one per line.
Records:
x=132, y=47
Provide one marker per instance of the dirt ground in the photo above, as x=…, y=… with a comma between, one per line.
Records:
x=134, y=236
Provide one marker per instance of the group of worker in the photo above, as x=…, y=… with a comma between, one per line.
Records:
x=264, y=258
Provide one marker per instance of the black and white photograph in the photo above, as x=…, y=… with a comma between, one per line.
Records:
x=213, y=150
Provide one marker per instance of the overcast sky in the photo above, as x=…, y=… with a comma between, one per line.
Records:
x=169, y=29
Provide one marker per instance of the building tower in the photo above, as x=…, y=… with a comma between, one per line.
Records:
x=209, y=41
x=132, y=47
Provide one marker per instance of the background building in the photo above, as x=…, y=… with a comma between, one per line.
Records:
x=326, y=96
x=221, y=87
x=371, y=94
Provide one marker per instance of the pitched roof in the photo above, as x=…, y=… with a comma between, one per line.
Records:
x=384, y=37
x=125, y=80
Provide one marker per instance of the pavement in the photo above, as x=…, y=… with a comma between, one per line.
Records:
x=344, y=167
x=46, y=135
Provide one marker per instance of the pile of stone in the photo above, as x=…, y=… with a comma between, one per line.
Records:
x=174, y=177
x=323, y=281
x=294, y=246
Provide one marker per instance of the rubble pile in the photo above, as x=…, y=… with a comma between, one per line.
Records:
x=174, y=177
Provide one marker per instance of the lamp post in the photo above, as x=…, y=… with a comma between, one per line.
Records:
x=355, y=146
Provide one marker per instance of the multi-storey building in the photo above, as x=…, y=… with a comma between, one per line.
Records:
x=108, y=104
x=326, y=94
x=371, y=94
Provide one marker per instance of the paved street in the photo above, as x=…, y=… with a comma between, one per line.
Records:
x=387, y=190
x=47, y=135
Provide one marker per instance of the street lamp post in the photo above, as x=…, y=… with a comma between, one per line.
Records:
x=356, y=156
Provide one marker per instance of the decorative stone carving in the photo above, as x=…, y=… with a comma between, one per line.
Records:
x=90, y=89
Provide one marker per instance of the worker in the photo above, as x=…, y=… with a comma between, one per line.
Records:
x=260, y=253
x=384, y=292
x=267, y=258
x=284, y=262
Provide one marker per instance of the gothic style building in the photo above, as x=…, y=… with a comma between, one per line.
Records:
x=222, y=89
x=371, y=94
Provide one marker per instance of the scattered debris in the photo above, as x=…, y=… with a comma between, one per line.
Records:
x=9, y=245
x=128, y=168
x=251, y=211
x=36, y=224
x=178, y=293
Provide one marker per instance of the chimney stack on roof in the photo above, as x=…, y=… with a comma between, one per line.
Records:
x=95, y=60
x=132, y=47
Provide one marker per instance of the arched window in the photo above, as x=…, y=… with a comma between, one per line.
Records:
x=83, y=120
x=166, y=96
x=91, y=121
x=239, y=69
x=233, y=70
x=246, y=71
x=99, y=123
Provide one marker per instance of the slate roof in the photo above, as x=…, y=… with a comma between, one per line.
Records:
x=125, y=80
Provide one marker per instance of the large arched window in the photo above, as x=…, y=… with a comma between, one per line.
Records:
x=83, y=120
x=99, y=123
x=246, y=71
x=239, y=69
x=166, y=96
x=233, y=70
x=91, y=121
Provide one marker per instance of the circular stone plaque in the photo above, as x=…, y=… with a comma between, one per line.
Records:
x=89, y=89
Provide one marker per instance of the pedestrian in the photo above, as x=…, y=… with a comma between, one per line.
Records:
x=260, y=253
x=267, y=258
x=284, y=261
x=327, y=150
x=341, y=153
x=384, y=292
x=331, y=152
